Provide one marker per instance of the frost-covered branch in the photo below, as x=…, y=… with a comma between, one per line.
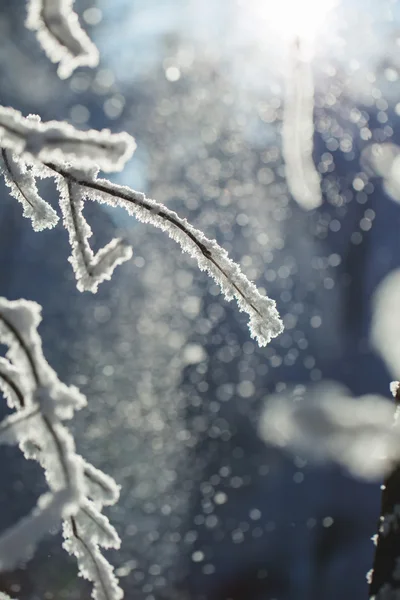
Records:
x=62, y=143
x=264, y=319
x=23, y=187
x=41, y=402
x=101, y=488
x=83, y=534
x=59, y=33
x=90, y=269
x=33, y=149
x=10, y=384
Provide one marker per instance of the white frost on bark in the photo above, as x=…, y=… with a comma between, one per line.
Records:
x=100, y=488
x=11, y=384
x=73, y=158
x=60, y=142
x=77, y=490
x=92, y=564
x=264, y=323
x=90, y=269
x=23, y=187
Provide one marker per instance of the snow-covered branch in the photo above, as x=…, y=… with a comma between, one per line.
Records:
x=23, y=187
x=59, y=33
x=41, y=402
x=33, y=149
x=90, y=269
x=60, y=142
x=264, y=319
x=83, y=534
x=10, y=384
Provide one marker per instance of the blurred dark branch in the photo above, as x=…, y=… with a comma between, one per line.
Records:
x=387, y=551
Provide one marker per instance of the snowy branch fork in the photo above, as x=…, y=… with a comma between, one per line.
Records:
x=31, y=149
x=28, y=152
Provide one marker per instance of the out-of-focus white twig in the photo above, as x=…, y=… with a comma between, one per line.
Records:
x=61, y=36
x=302, y=177
x=324, y=423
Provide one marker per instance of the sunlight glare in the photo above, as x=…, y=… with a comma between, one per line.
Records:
x=294, y=19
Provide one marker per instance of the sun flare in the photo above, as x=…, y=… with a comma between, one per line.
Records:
x=292, y=20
